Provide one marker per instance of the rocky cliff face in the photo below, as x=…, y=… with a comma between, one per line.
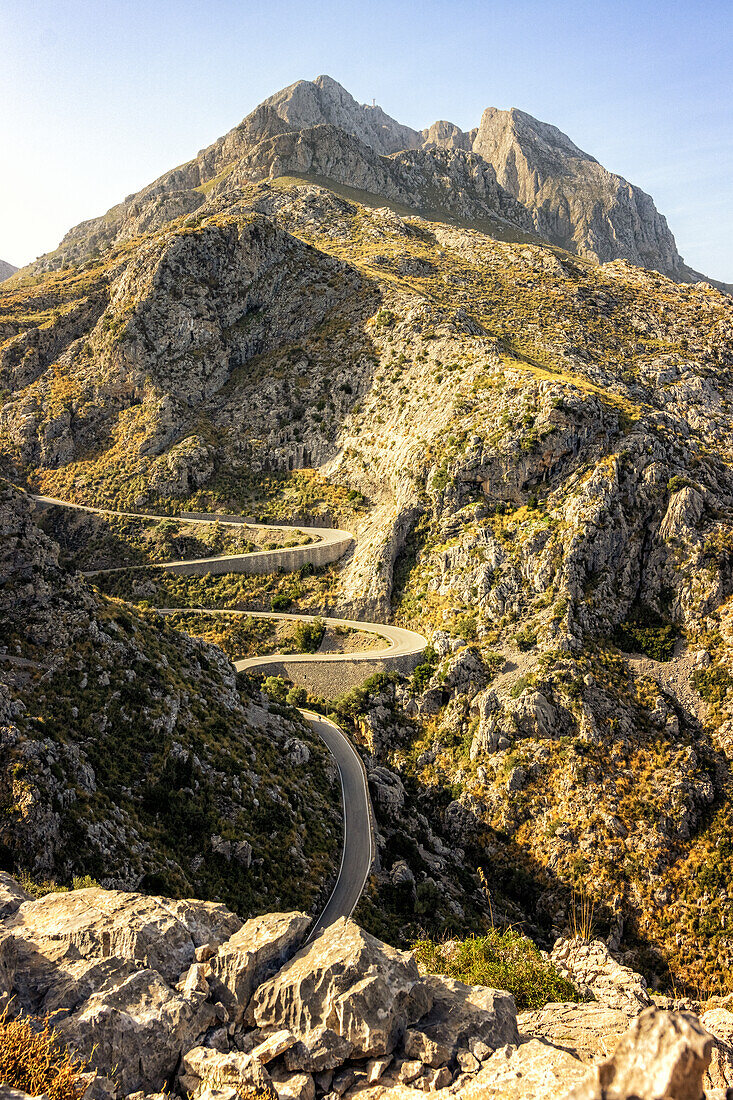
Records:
x=574, y=200
x=130, y=753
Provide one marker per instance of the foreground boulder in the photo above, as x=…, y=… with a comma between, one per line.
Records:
x=203, y=1066
x=101, y=964
x=535, y=1071
x=350, y=982
x=460, y=1016
x=718, y=1020
x=663, y=1054
x=588, y=1031
x=160, y=933
x=254, y=953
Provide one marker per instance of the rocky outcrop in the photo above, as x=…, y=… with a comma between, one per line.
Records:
x=574, y=200
x=662, y=1054
x=718, y=1020
x=324, y=101
x=258, y=949
x=12, y=895
x=348, y=981
x=132, y=985
x=593, y=970
x=104, y=965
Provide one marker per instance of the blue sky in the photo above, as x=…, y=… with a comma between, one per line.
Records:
x=98, y=98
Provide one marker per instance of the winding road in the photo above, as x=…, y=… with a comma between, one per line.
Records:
x=358, y=849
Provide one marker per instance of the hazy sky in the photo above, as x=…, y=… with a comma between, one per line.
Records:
x=99, y=97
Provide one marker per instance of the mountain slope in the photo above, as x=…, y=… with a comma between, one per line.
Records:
x=6, y=270
x=131, y=754
x=534, y=453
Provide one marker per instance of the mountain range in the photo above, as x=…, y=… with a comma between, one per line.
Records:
x=511, y=169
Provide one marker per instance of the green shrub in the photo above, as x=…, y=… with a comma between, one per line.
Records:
x=308, y=636
x=280, y=603
x=526, y=638
x=424, y=671
x=502, y=960
x=276, y=688
x=655, y=641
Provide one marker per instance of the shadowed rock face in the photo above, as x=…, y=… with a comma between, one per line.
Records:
x=6, y=270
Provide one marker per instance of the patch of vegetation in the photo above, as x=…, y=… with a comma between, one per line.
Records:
x=646, y=633
x=424, y=671
x=501, y=960
x=34, y=1062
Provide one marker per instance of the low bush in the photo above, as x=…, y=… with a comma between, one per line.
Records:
x=502, y=960
x=655, y=641
x=31, y=1061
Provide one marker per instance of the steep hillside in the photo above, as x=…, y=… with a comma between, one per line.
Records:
x=6, y=270
x=132, y=754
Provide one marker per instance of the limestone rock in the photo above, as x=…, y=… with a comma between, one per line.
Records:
x=202, y=1065
x=462, y=1014
x=683, y=514
x=253, y=953
x=387, y=790
x=273, y=1046
x=575, y=201
x=592, y=968
x=534, y=1071
x=324, y=101
x=719, y=1022
x=375, y=1067
x=663, y=1054
x=12, y=895
x=348, y=981
x=293, y=1086
x=588, y=1031
x=162, y=934
x=87, y=958
x=318, y=1050
x=534, y=715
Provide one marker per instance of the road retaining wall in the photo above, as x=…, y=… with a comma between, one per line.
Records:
x=329, y=679
x=264, y=561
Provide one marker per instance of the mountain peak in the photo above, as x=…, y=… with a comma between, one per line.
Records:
x=322, y=101
x=6, y=270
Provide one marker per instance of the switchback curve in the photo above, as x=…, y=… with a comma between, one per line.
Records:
x=358, y=848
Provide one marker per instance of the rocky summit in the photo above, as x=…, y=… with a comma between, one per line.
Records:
x=366, y=627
